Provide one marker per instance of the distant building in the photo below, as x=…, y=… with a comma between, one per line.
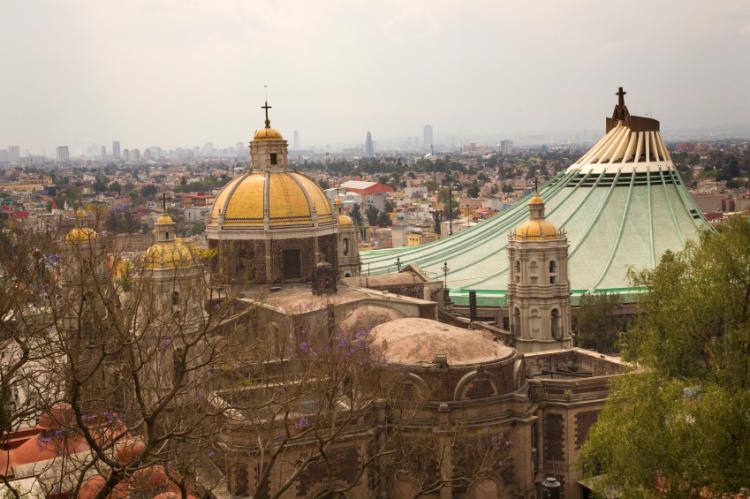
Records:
x=104, y=152
x=135, y=155
x=63, y=153
x=3, y=155
x=369, y=147
x=116, y=149
x=506, y=146
x=296, y=139
x=428, y=141
x=14, y=153
x=126, y=155
x=372, y=193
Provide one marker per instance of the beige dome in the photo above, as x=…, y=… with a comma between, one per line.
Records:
x=414, y=341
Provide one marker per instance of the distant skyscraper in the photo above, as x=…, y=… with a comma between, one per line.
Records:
x=104, y=152
x=136, y=155
x=506, y=146
x=3, y=155
x=14, y=153
x=427, y=139
x=296, y=139
x=126, y=155
x=116, y=149
x=369, y=147
x=63, y=153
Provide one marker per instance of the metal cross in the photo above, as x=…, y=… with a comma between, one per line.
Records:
x=621, y=96
x=267, y=107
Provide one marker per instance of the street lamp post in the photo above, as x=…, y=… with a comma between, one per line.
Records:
x=445, y=275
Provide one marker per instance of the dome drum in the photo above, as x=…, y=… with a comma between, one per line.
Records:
x=271, y=261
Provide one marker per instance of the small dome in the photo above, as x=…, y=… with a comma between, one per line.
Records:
x=338, y=202
x=536, y=229
x=345, y=220
x=81, y=234
x=164, y=219
x=536, y=199
x=290, y=201
x=267, y=133
x=168, y=255
x=414, y=341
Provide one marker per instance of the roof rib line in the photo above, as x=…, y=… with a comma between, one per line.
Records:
x=651, y=221
x=688, y=203
x=598, y=212
x=671, y=210
x=619, y=235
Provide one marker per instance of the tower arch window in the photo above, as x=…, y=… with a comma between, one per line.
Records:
x=515, y=326
x=555, y=324
x=346, y=246
x=274, y=158
x=552, y=272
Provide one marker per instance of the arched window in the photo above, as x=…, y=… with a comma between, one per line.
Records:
x=175, y=298
x=533, y=267
x=515, y=326
x=346, y=246
x=555, y=324
x=552, y=271
x=518, y=266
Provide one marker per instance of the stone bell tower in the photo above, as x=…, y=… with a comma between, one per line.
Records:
x=538, y=290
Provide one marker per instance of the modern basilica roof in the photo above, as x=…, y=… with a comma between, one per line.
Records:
x=622, y=205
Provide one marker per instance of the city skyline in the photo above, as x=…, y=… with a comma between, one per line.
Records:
x=169, y=73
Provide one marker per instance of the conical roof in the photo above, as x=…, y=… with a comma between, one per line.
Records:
x=622, y=205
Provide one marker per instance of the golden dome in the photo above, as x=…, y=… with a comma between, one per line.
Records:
x=164, y=219
x=536, y=229
x=79, y=213
x=338, y=202
x=345, y=220
x=267, y=133
x=290, y=199
x=79, y=234
x=536, y=199
x=168, y=255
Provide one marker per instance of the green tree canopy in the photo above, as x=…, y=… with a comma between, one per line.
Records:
x=686, y=417
x=599, y=324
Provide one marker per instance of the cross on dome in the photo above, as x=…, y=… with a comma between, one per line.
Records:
x=267, y=107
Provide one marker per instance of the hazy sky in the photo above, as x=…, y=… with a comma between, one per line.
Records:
x=183, y=72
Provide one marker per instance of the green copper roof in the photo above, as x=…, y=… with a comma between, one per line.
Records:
x=615, y=218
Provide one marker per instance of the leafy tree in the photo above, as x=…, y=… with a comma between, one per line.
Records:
x=148, y=191
x=473, y=190
x=384, y=220
x=599, y=326
x=357, y=214
x=684, y=420
x=115, y=187
x=448, y=202
x=372, y=215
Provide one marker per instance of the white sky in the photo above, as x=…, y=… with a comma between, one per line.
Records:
x=183, y=72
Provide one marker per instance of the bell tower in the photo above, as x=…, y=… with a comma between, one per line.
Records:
x=538, y=294
x=268, y=150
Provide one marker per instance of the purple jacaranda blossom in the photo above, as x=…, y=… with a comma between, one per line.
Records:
x=53, y=259
x=302, y=423
x=164, y=343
